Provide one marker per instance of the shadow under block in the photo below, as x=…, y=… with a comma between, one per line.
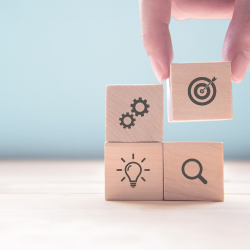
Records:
x=134, y=113
x=125, y=162
x=201, y=161
x=199, y=91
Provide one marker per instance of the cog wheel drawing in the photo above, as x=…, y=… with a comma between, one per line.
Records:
x=145, y=110
x=122, y=123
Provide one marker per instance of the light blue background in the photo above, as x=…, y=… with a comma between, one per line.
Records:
x=56, y=58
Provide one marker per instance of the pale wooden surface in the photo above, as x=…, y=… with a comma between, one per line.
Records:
x=181, y=108
x=210, y=156
x=149, y=185
x=61, y=205
x=146, y=128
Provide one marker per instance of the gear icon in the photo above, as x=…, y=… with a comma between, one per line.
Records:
x=144, y=102
x=131, y=122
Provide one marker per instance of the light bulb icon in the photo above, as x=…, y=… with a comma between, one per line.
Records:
x=133, y=171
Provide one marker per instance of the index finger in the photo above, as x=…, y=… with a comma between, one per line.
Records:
x=155, y=18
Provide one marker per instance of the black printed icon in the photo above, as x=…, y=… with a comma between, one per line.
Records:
x=130, y=118
x=139, y=108
x=133, y=171
x=136, y=102
x=196, y=176
x=202, y=93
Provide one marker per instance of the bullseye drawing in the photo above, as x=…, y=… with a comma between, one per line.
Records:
x=202, y=90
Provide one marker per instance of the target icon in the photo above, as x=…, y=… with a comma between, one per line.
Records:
x=202, y=90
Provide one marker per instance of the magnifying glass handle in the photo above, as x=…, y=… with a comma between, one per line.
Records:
x=202, y=179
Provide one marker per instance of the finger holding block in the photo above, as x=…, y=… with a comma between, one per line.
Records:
x=134, y=113
x=133, y=171
x=199, y=92
x=193, y=171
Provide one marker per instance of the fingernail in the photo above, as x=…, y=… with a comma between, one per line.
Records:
x=240, y=65
x=157, y=69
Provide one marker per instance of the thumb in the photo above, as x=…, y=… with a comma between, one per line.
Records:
x=236, y=47
x=155, y=19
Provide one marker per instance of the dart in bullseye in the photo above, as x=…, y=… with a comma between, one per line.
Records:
x=212, y=81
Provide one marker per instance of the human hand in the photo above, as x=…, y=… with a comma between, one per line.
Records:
x=155, y=19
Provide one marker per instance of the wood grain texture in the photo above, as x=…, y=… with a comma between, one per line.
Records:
x=147, y=128
x=87, y=221
x=87, y=176
x=51, y=176
x=58, y=205
x=181, y=108
x=178, y=187
x=150, y=182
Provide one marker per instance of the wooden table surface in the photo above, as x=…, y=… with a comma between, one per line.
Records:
x=61, y=205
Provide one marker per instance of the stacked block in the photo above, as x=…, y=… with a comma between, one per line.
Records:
x=134, y=113
x=133, y=148
x=133, y=171
x=138, y=165
x=199, y=92
x=193, y=171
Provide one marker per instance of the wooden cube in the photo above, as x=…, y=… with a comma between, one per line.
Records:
x=134, y=113
x=193, y=171
x=199, y=92
x=133, y=171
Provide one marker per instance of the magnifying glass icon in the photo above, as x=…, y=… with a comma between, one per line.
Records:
x=196, y=176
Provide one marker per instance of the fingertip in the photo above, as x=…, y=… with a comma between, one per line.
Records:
x=239, y=66
x=234, y=79
x=156, y=68
x=165, y=77
x=160, y=74
x=161, y=70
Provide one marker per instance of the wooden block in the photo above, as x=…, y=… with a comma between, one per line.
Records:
x=134, y=113
x=193, y=171
x=199, y=91
x=133, y=171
